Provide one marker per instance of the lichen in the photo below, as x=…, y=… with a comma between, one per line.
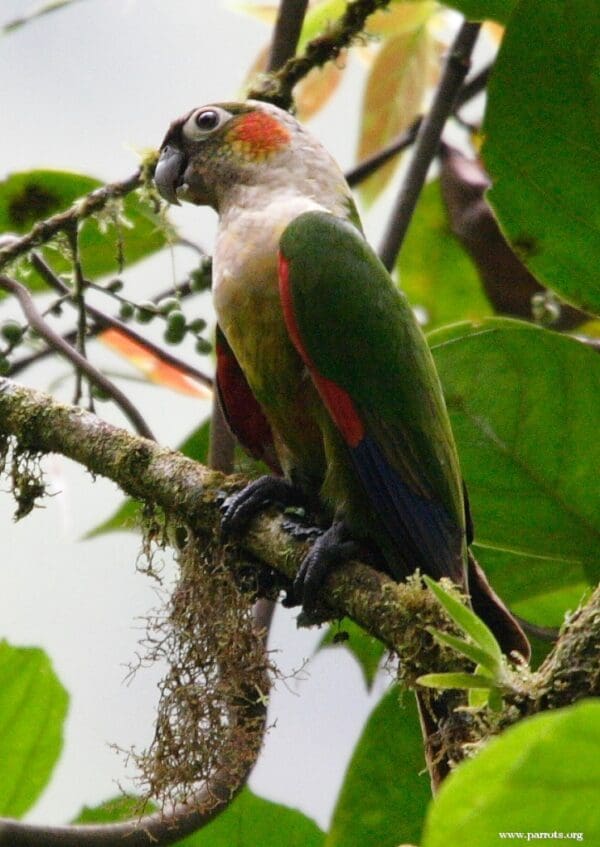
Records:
x=210, y=716
x=23, y=469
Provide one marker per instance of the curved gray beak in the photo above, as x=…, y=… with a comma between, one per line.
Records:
x=169, y=172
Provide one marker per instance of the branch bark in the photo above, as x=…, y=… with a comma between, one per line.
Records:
x=396, y=613
x=287, y=32
x=277, y=87
x=72, y=355
x=428, y=139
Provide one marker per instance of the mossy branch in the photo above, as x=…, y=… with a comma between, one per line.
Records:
x=399, y=614
x=396, y=613
x=277, y=87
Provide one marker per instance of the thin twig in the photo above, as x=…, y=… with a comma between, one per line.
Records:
x=372, y=163
x=104, y=321
x=78, y=297
x=364, y=169
x=287, y=32
x=428, y=139
x=37, y=322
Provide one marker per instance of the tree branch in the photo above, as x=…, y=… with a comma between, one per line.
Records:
x=364, y=169
x=104, y=321
x=428, y=139
x=287, y=32
x=396, y=613
x=72, y=355
x=159, y=828
x=277, y=87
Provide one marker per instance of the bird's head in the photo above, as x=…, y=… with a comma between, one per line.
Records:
x=216, y=148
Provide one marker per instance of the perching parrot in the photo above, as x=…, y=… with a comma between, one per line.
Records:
x=322, y=369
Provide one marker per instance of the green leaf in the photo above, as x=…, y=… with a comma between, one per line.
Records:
x=248, y=821
x=121, y=808
x=468, y=621
x=318, y=19
x=33, y=707
x=542, y=132
x=524, y=404
x=367, y=650
x=536, y=588
x=455, y=680
x=251, y=821
x=435, y=272
x=125, y=519
x=540, y=776
x=385, y=791
x=196, y=445
x=478, y=697
x=471, y=651
x=30, y=196
x=127, y=516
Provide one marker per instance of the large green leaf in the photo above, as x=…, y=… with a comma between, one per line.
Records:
x=30, y=196
x=33, y=706
x=536, y=588
x=249, y=821
x=435, y=272
x=542, y=145
x=385, y=791
x=367, y=651
x=540, y=777
x=525, y=405
x=119, y=808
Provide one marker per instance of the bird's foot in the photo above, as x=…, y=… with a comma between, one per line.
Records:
x=239, y=508
x=331, y=550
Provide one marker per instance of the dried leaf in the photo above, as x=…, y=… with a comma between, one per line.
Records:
x=400, y=18
x=393, y=98
x=151, y=366
x=316, y=89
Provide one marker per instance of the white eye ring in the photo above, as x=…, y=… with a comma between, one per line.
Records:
x=204, y=121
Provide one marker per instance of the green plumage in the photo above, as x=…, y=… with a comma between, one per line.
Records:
x=361, y=333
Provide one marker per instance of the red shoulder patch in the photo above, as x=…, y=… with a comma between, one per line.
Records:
x=337, y=400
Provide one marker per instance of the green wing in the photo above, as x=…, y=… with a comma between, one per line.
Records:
x=371, y=363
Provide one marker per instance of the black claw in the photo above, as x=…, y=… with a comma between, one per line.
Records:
x=239, y=508
x=331, y=550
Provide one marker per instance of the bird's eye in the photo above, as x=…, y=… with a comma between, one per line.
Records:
x=203, y=121
x=207, y=119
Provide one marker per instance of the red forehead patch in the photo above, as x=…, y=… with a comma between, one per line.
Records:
x=259, y=133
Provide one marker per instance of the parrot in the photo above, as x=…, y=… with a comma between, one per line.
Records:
x=322, y=369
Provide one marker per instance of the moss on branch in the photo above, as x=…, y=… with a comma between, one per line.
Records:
x=396, y=613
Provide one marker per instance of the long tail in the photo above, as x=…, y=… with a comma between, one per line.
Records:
x=492, y=610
